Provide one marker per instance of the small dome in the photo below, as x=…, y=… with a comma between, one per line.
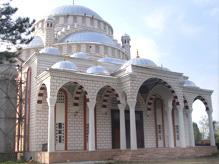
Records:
x=64, y=65
x=125, y=36
x=165, y=68
x=35, y=42
x=188, y=83
x=89, y=37
x=98, y=70
x=140, y=62
x=80, y=55
x=50, y=19
x=111, y=60
x=74, y=10
x=50, y=50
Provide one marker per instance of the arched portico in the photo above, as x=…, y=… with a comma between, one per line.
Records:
x=208, y=109
x=107, y=125
x=159, y=98
x=69, y=114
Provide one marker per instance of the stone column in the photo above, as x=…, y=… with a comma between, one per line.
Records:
x=211, y=129
x=191, y=130
x=91, y=135
x=51, y=124
x=132, y=125
x=170, y=125
x=181, y=126
x=122, y=126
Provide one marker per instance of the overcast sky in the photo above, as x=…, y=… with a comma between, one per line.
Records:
x=181, y=35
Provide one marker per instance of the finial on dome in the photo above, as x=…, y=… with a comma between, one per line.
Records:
x=137, y=54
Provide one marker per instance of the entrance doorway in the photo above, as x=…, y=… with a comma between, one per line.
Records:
x=116, y=129
x=159, y=123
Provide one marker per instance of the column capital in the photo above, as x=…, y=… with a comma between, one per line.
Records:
x=180, y=108
x=121, y=106
x=209, y=112
x=131, y=104
x=51, y=101
x=189, y=111
x=168, y=106
x=91, y=104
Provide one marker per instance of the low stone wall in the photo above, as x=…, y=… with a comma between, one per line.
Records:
x=8, y=157
x=123, y=155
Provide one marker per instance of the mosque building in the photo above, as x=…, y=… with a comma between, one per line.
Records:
x=87, y=99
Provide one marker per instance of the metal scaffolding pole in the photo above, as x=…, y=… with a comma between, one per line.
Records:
x=12, y=111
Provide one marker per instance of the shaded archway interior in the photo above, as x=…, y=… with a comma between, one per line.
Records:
x=200, y=120
x=156, y=110
x=107, y=108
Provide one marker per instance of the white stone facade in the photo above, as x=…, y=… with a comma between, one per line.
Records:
x=154, y=103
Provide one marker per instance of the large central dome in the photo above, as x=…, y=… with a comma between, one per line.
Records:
x=74, y=10
x=89, y=37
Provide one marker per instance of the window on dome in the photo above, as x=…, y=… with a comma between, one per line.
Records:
x=60, y=49
x=69, y=48
x=69, y=19
x=92, y=21
x=61, y=20
x=99, y=26
x=74, y=19
x=79, y=20
x=84, y=20
x=78, y=49
x=92, y=48
x=87, y=48
x=97, y=49
x=66, y=20
x=113, y=52
x=105, y=50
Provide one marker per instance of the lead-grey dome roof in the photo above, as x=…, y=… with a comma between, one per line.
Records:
x=98, y=70
x=189, y=83
x=35, y=42
x=80, y=55
x=111, y=60
x=64, y=65
x=74, y=10
x=89, y=37
x=50, y=51
x=139, y=62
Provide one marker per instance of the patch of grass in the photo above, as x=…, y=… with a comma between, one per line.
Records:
x=13, y=162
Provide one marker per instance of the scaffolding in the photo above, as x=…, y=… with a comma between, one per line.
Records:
x=12, y=109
